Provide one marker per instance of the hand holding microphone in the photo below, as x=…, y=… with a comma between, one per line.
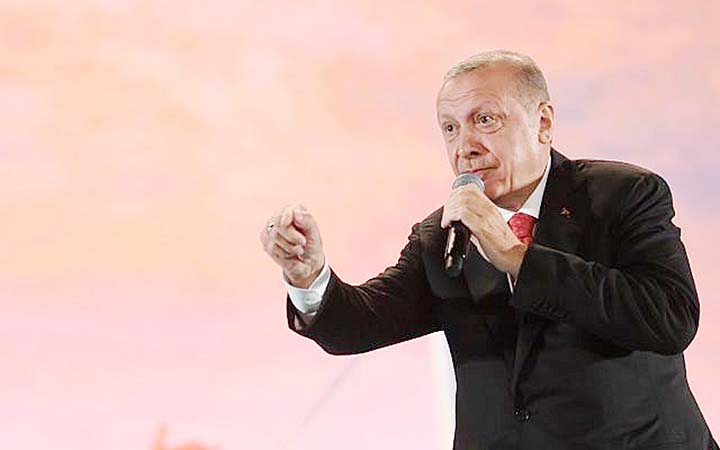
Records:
x=469, y=212
x=458, y=238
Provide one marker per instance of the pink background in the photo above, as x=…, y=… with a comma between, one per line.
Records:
x=144, y=143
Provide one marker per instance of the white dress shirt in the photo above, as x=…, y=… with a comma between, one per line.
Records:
x=307, y=301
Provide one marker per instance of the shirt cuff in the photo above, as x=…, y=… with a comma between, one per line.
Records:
x=307, y=301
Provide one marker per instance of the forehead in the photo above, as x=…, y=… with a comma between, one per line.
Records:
x=487, y=86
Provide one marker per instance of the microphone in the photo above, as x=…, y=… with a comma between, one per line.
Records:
x=458, y=238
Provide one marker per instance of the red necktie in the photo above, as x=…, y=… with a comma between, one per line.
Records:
x=522, y=225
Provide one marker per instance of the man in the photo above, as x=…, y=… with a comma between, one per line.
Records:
x=568, y=324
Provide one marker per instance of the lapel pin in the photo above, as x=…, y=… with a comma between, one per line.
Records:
x=565, y=213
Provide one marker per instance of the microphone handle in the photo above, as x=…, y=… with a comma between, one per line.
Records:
x=456, y=249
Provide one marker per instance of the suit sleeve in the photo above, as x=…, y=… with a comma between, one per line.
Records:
x=645, y=301
x=392, y=307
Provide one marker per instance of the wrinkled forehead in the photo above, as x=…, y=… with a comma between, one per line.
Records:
x=472, y=101
x=480, y=87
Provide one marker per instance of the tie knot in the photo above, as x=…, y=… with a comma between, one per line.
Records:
x=522, y=225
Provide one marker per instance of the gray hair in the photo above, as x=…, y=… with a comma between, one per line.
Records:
x=529, y=80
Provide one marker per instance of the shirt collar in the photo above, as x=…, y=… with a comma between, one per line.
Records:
x=532, y=205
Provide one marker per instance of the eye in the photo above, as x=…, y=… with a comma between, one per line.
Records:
x=449, y=128
x=484, y=119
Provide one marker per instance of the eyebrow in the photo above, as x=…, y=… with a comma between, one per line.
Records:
x=495, y=109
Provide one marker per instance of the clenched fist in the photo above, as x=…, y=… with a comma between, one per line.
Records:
x=292, y=239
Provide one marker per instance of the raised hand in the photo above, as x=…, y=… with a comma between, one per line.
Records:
x=292, y=239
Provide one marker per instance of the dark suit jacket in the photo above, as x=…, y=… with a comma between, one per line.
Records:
x=586, y=353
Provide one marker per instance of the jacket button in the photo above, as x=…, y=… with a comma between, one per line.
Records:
x=521, y=415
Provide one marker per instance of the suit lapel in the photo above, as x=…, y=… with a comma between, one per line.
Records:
x=434, y=238
x=490, y=291
x=487, y=285
x=480, y=279
x=559, y=226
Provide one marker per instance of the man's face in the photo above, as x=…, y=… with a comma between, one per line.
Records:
x=489, y=131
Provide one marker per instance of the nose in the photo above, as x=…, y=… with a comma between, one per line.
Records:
x=466, y=151
x=469, y=146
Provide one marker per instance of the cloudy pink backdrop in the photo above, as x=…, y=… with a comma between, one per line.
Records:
x=144, y=143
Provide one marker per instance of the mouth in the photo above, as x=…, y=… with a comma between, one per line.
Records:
x=482, y=172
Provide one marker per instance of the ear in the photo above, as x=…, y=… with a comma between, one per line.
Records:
x=547, y=119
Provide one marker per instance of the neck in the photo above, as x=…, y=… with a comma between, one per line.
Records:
x=513, y=201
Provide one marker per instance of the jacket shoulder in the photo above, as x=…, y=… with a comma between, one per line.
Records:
x=615, y=178
x=616, y=172
x=431, y=222
x=428, y=229
x=614, y=186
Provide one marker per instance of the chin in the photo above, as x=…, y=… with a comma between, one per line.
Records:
x=496, y=193
x=492, y=190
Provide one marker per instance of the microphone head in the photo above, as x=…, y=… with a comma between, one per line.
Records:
x=468, y=178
